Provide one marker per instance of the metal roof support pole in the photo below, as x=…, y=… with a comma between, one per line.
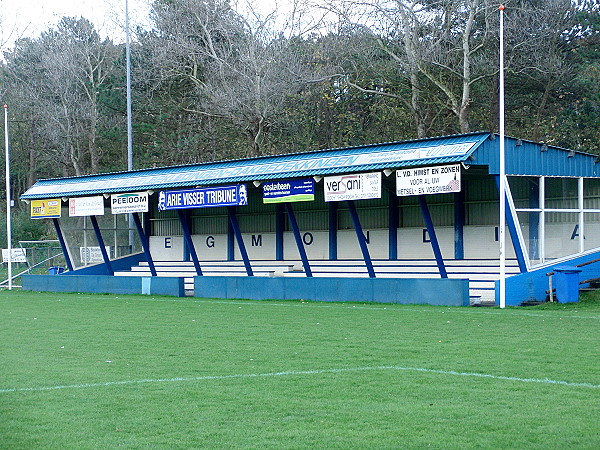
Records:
x=512, y=229
x=299, y=243
x=279, y=229
x=580, y=205
x=240, y=240
x=333, y=227
x=144, y=241
x=459, y=225
x=230, y=242
x=393, y=223
x=63, y=244
x=187, y=237
x=100, y=240
x=534, y=221
x=432, y=236
x=362, y=241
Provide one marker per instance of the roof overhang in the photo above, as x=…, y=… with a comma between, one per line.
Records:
x=324, y=162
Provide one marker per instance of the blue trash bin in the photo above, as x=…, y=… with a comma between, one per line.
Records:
x=567, y=283
x=55, y=270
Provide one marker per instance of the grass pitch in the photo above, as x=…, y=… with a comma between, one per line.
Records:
x=103, y=371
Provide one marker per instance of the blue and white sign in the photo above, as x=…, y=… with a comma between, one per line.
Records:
x=289, y=191
x=236, y=195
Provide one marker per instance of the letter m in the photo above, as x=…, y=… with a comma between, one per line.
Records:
x=257, y=240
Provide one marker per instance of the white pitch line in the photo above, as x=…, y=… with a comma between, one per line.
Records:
x=302, y=372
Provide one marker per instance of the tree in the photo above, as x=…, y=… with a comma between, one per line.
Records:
x=236, y=70
x=58, y=78
x=435, y=44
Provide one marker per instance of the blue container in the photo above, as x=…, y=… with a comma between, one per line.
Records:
x=55, y=270
x=566, y=279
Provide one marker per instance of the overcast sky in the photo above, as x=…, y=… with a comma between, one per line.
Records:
x=30, y=17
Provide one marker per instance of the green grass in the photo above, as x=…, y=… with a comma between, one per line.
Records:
x=104, y=371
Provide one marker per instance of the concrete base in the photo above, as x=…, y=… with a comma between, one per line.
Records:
x=444, y=291
x=104, y=284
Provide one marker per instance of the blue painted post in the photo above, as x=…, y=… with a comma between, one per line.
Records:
x=534, y=220
x=512, y=229
x=299, y=243
x=230, y=242
x=393, y=223
x=187, y=237
x=101, y=244
x=432, y=236
x=333, y=227
x=63, y=244
x=362, y=241
x=279, y=229
x=240, y=240
x=459, y=225
x=144, y=241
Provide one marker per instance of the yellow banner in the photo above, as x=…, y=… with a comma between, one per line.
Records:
x=45, y=209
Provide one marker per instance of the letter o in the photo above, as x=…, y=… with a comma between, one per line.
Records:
x=307, y=238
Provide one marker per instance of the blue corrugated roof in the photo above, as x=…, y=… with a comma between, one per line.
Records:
x=321, y=162
x=523, y=158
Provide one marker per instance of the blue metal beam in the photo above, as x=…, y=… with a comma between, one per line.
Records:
x=512, y=229
x=459, y=225
x=240, y=239
x=187, y=237
x=393, y=223
x=145, y=244
x=432, y=236
x=63, y=244
x=299, y=243
x=333, y=227
x=102, y=246
x=534, y=220
x=230, y=242
x=279, y=230
x=362, y=241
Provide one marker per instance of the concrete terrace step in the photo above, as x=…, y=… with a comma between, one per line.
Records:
x=482, y=274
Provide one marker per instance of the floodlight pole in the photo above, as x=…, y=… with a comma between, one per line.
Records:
x=128, y=69
x=8, y=203
x=502, y=234
x=129, y=126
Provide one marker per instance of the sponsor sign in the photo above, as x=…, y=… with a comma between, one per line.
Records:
x=428, y=180
x=86, y=206
x=92, y=254
x=17, y=255
x=353, y=187
x=235, y=195
x=45, y=209
x=289, y=191
x=129, y=203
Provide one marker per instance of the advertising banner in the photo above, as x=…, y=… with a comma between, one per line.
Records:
x=17, y=255
x=86, y=206
x=129, y=203
x=45, y=209
x=353, y=187
x=235, y=195
x=428, y=180
x=289, y=191
x=92, y=254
